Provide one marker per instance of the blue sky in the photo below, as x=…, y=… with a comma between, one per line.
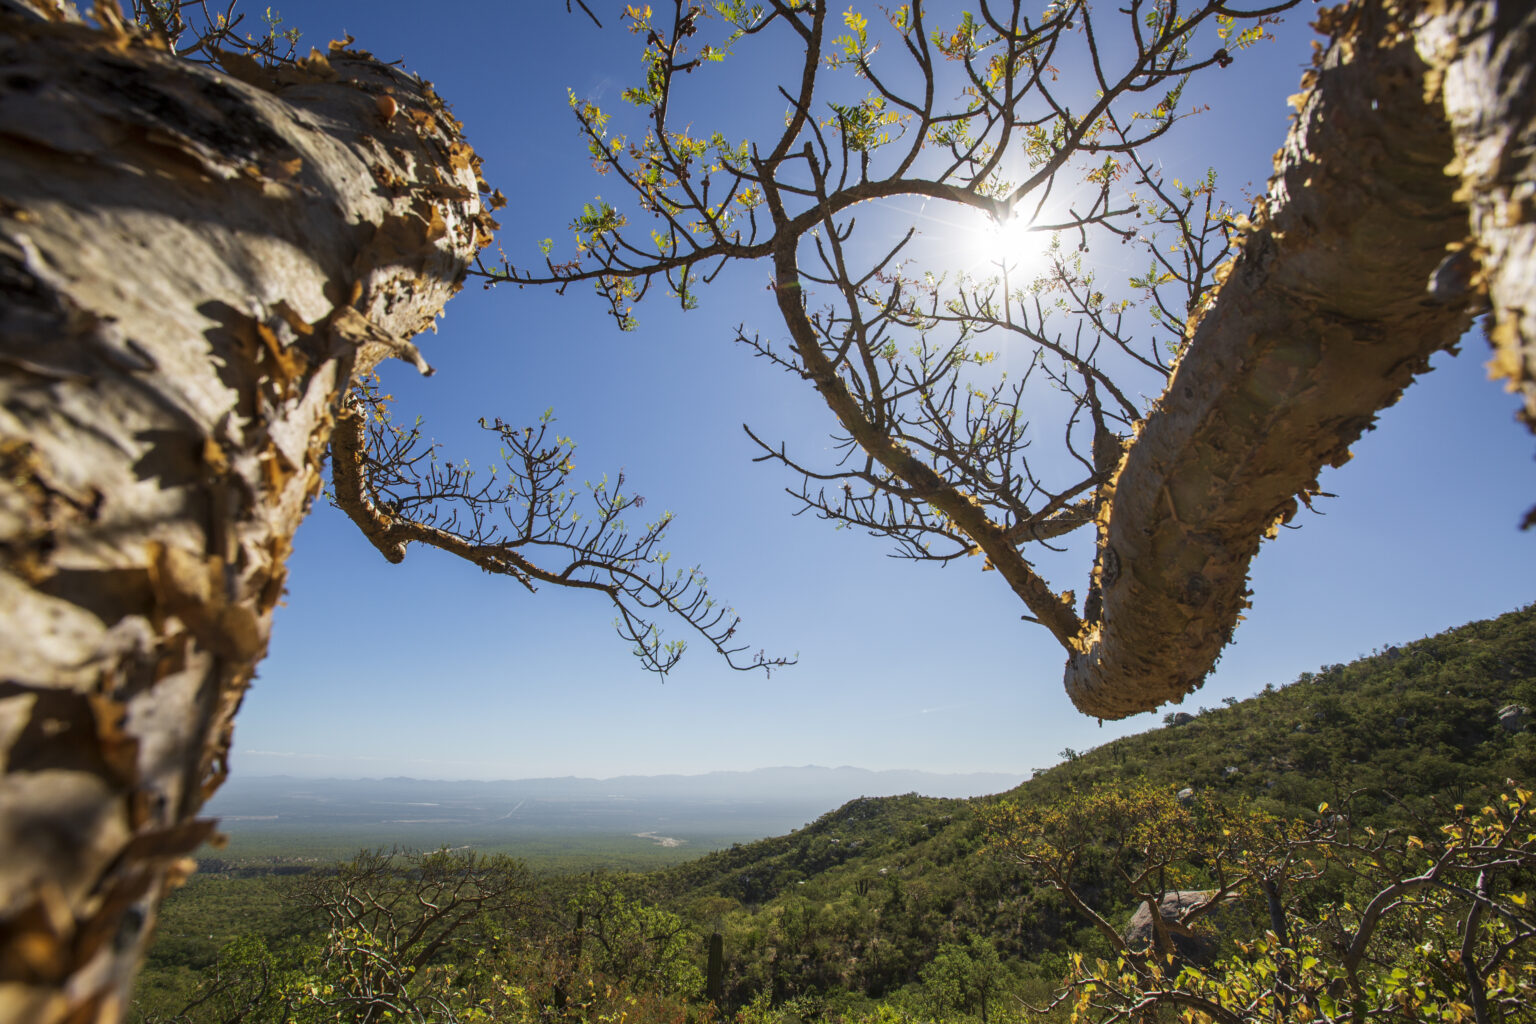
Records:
x=433, y=669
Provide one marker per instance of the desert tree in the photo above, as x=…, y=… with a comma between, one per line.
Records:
x=963, y=976
x=247, y=984
x=397, y=935
x=1178, y=861
x=400, y=925
x=1353, y=924
x=1182, y=412
x=208, y=243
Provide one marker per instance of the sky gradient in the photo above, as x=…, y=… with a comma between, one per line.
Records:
x=433, y=669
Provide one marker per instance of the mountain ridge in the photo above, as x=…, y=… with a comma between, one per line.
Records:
x=878, y=886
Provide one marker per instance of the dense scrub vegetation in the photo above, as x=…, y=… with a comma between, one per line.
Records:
x=1347, y=847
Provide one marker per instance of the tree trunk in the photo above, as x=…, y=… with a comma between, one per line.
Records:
x=1361, y=263
x=193, y=265
x=714, y=974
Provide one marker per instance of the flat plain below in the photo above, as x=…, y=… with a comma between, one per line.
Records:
x=633, y=822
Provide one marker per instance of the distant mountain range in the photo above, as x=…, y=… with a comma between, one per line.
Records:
x=709, y=807
x=783, y=783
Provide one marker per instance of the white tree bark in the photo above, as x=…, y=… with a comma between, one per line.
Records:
x=1402, y=202
x=1484, y=56
x=192, y=267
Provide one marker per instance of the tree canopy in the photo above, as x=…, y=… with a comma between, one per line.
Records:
x=1195, y=402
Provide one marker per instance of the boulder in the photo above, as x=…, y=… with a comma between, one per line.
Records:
x=1183, y=718
x=1514, y=717
x=1189, y=944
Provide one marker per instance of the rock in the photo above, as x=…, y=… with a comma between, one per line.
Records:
x=1187, y=795
x=1229, y=771
x=1183, y=718
x=1188, y=944
x=1514, y=717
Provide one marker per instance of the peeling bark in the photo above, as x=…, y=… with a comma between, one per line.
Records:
x=193, y=265
x=1485, y=59
x=1361, y=263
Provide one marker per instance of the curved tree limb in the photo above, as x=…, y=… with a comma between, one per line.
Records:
x=1363, y=261
x=1484, y=55
x=1358, y=266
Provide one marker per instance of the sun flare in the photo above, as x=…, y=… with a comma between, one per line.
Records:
x=1014, y=244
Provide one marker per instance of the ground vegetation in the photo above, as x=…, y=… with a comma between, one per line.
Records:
x=1355, y=842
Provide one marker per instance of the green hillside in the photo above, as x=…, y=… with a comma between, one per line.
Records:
x=907, y=905
x=862, y=899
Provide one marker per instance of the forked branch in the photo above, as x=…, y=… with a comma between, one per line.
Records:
x=399, y=491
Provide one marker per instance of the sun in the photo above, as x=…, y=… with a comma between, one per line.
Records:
x=1018, y=246
x=1014, y=244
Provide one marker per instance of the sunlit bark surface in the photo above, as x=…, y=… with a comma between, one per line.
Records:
x=1362, y=262
x=192, y=266
x=1487, y=55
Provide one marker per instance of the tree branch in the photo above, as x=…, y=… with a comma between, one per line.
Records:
x=1321, y=321
x=399, y=493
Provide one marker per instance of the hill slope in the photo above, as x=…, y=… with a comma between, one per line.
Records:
x=861, y=899
x=858, y=903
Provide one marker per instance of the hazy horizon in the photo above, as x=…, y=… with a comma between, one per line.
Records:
x=635, y=774
x=281, y=814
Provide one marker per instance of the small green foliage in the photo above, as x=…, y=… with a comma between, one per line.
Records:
x=864, y=126
x=597, y=219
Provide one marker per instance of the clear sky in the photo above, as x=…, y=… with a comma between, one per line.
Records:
x=435, y=670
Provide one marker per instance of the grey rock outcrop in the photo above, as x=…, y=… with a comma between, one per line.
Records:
x=1197, y=947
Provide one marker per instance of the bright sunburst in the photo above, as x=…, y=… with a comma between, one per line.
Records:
x=1014, y=244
